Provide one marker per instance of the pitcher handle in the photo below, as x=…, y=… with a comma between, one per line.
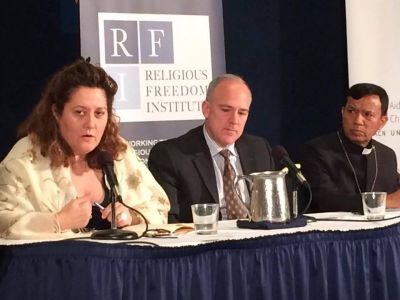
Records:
x=237, y=190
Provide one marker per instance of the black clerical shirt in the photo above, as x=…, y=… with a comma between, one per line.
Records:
x=327, y=169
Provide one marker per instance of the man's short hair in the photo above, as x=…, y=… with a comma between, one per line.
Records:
x=360, y=90
x=216, y=81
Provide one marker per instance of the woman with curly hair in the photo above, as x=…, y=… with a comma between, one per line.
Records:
x=51, y=180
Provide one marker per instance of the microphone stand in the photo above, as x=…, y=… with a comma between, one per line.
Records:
x=309, y=197
x=295, y=199
x=114, y=233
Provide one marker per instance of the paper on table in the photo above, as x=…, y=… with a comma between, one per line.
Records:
x=177, y=228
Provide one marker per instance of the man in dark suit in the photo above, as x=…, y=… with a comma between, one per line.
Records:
x=341, y=165
x=190, y=168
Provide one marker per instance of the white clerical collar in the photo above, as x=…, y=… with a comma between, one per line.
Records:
x=214, y=147
x=367, y=151
x=355, y=147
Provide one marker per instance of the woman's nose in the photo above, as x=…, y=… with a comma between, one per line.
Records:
x=90, y=121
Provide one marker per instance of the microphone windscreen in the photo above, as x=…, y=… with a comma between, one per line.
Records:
x=105, y=158
x=278, y=152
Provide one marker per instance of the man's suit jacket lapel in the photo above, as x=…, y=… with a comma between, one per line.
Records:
x=206, y=170
x=203, y=162
x=246, y=156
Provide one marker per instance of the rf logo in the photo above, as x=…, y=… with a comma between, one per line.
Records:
x=138, y=42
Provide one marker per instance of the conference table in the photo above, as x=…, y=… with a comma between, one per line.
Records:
x=335, y=256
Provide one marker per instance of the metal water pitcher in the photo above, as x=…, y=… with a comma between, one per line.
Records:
x=268, y=196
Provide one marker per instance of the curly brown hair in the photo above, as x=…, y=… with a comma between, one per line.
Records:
x=42, y=127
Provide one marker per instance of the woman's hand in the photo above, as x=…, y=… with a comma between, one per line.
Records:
x=76, y=213
x=123, y=217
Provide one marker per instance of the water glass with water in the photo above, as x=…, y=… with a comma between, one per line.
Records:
x=205, y=218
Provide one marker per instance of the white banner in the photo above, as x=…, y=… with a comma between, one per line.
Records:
x=164, y=73
x=162, y=54
x=373, y=43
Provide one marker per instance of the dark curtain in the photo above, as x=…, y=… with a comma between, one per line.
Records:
x=293, y=54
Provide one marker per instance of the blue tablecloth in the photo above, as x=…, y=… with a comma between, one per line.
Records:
x=362, y=264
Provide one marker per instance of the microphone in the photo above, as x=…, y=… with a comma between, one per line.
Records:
x=281, y=155
x=106, y=161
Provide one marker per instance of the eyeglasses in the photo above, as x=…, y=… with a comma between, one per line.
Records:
x=159, y=232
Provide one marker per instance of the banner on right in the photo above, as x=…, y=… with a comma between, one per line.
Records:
x=373, y=46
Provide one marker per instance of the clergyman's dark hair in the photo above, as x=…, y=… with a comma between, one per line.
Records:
x=360, y=90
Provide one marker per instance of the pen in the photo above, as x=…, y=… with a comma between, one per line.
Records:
x=98, y=205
